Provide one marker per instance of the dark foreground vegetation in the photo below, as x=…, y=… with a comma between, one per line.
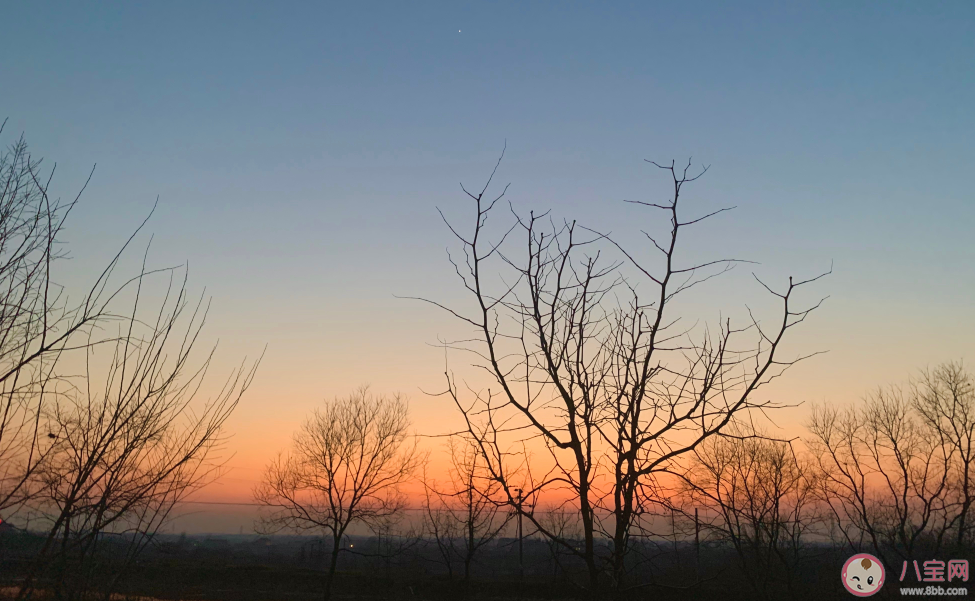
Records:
x=252, y=568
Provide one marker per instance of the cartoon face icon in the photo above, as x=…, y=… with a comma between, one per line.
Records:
x=863, y=575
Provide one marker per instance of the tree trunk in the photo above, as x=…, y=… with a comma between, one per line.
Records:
x=332, y=564
x=470, y=539
x=590, y=550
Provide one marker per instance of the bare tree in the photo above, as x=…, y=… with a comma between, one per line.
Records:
x=896, y=471
x=466, y=513
x=128, y=444
x=563, y=523
x=883, y=475
x=38, y=324
x=113, y=461
x=762, y=495
x=610, y=384
x=346, y=466
x=944, y=398
x=440, y=525
x=395, y=536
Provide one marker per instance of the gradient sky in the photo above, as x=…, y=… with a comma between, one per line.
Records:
x=299, y=152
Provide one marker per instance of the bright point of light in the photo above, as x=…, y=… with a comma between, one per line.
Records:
x=458, y=31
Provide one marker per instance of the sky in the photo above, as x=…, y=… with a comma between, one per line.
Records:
x=299, y=153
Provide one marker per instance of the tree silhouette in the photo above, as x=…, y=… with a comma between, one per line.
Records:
x=347, y=465
x=608, y=382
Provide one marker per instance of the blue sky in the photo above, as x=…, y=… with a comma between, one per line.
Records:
x=299, y=152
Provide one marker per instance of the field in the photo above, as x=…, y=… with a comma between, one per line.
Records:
x=252, y=568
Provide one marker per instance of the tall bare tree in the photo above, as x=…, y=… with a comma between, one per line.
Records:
x=128, y=444
x=38, y=324
x=347, y=465
x=94, y=456
x=604, y=379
